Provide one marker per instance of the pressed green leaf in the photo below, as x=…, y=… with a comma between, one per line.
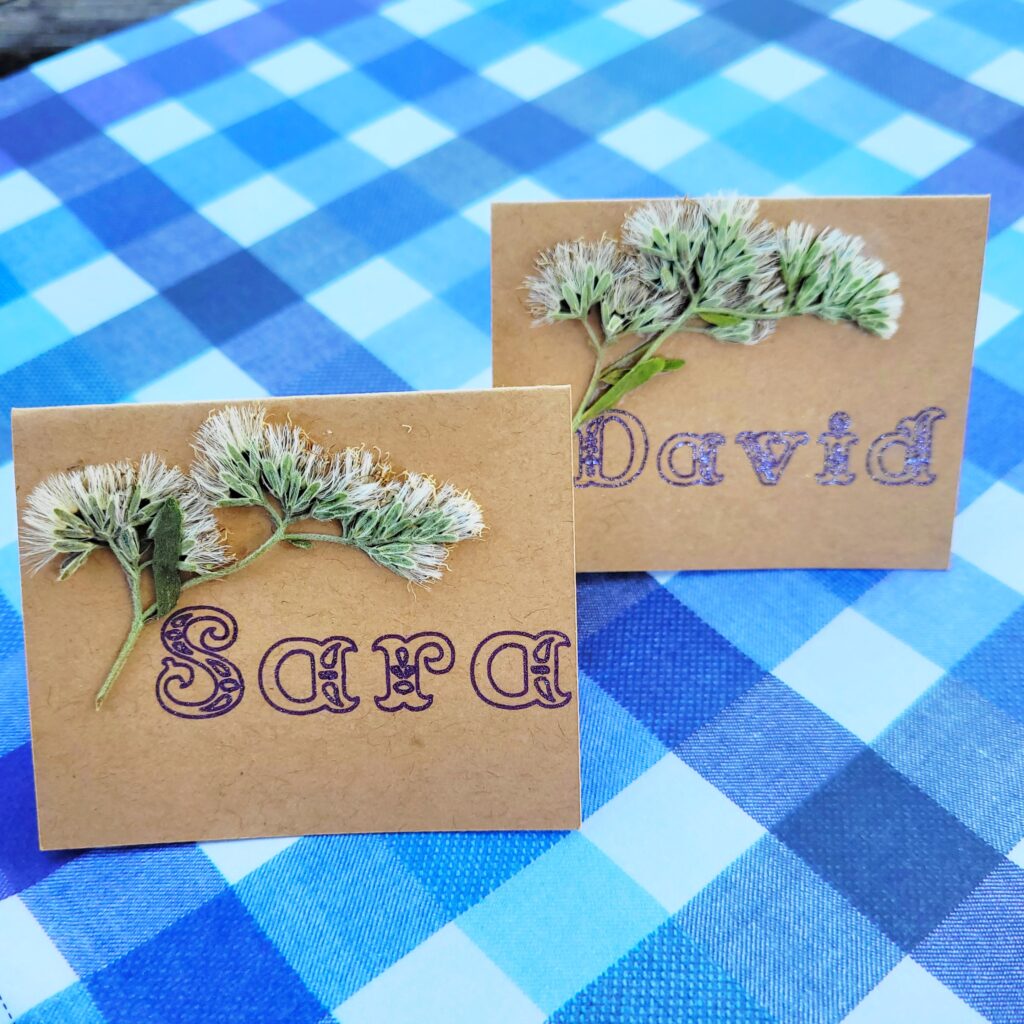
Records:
x=72, y=563
x=720, y=319
x=640, y=374
x=167, y=540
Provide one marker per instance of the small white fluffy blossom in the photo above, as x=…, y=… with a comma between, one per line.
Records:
x=709, y=265
x=403, y=523
x=112, y=506
x=229, y=448
x=354, y=483
x=411, y=529
x=570, y=279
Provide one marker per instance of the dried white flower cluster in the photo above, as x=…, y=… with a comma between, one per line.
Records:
x=75, y=513
x=152, y=517
x=708, y=265
x=402, y=522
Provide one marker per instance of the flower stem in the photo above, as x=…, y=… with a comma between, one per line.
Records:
x=140, y=617
x=583, y=412
x=595, y=375
x=138, y=621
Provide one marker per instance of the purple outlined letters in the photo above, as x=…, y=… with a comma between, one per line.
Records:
x=302, y=675
x=894, y=458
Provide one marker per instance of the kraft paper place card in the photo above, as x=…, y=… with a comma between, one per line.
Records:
x=765, y=384
x=282, y=670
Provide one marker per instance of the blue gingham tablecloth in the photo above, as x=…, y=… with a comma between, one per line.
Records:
x=803, y=791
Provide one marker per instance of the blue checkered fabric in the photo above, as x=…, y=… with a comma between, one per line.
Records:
x=803, y=791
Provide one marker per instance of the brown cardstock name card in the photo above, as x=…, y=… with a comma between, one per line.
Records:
x=312, y=688
x=826, y=443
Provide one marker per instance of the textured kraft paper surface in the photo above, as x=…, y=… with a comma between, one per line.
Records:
x=793, y=381
x=133, y=773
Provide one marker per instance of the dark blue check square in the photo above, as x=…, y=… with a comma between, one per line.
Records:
x=226, y=298
x=895, y=854
x=42, y=130
x=279, y=134
x=526, y=137
x=133, y=205
x=415, y=70
x=667, y=666
x=22, y=863
x=387, y=211
x=215, y=966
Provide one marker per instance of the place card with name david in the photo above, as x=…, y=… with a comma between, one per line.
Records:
x=764, y=384
x=303, y=615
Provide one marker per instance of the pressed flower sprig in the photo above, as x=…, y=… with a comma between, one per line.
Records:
x=154, y=519
x=708, y=266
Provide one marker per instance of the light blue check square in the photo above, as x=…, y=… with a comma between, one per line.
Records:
x=299, y=68
x=141, y=40
x=364, y=906
x=1003, y=75
x=615, y=748
x=855, y=173
x=23, y=197
x=401, y=136
x=424, y=17
x=714, y=104
x=349, y=101
x=591, y=42
x=920, y=607
x=370, y=298
x=94, y=293
x=738, y=604
x=562, y=921
x=915, y=145
x=842, y=107
x=784, y=933
x=14, y=729
x=1000, y=355
x=47, y=247
x=158, y=131
x=1003, y=259
x=774, y=72
x=445, y=980
x=27, y=330
x=886, y=19
x=257, y=209
x=986, y=534
x=432, y=347
x=444, y=255
x=967, y=754
x=206, y=169
x=930, y=40
x=672, y=831
x=211, y=376
x=103, y=904
x=715, y=167
x=330, y=171
x=70, y=1004
x=78, y=65
x=231, y=98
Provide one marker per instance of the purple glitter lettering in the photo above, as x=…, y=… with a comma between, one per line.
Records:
x=703, y=456
x=912, y=443
x=762, y=449
x=591, y=440
x=837, y=442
